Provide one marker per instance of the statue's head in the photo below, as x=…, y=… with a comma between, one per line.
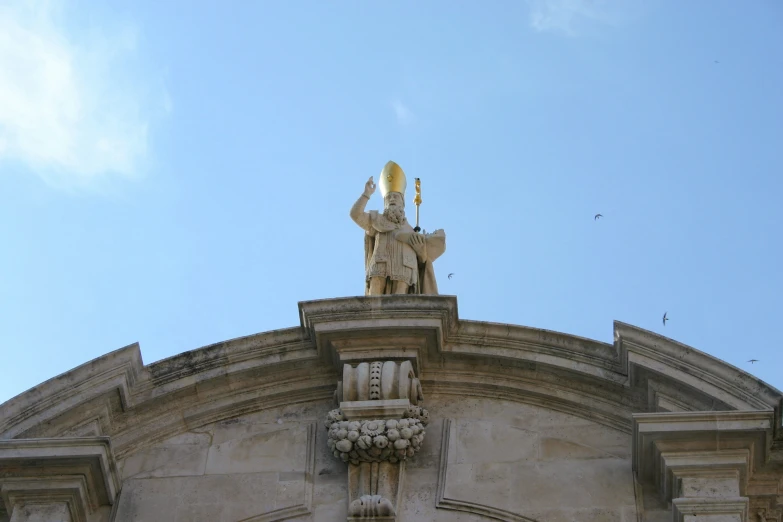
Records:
x=393, y=199
x=394, y=207
x=392, y=182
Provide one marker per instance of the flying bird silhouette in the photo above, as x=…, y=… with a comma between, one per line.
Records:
x=753, y=361
x=598, y=216
x=451, y=274
x=665, y=318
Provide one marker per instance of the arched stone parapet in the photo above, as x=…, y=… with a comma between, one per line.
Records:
x=639, y=372
x=380, y=356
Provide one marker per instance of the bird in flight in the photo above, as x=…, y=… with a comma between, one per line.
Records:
x=753, y=361
x=665, y=318
x=597, y=216
x=716, y=61
x=451, y=274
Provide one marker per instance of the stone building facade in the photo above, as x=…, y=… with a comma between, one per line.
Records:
x=392, y=408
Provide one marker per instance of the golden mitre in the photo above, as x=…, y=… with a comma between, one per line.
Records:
x=392, y=179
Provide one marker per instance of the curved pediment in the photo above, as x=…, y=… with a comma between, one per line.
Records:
x=523, y=424
x=639, y=372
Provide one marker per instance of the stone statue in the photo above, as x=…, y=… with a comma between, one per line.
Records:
x=397, y=259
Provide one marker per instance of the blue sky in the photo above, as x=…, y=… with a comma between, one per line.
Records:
x=180, y=173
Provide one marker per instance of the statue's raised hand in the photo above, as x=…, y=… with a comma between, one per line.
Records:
x=369, y=187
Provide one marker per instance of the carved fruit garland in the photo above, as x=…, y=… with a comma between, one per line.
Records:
x=376, y=440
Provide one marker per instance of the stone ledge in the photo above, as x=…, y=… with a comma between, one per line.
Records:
x=670, y=447
x=375, y=409
x=392, y=327
x=678, y=467
x=692, y=367
x=115, y=372
x=705, y=507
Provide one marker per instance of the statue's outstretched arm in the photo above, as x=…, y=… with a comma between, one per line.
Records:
x=358, y=214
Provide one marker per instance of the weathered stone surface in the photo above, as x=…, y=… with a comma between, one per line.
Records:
x=477, y=476
x=524, y=424
x=48, y=512
x=249, y=467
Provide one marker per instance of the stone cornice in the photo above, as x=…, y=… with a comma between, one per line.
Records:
x=664, y=444
x=541, y=346
x=695, y=368
x=78, y=471
x=640, y=371
x=116, y=372
x=699, y=507
x=707, y=462
x=230, y=356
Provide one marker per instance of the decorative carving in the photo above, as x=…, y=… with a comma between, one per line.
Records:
x=376, y=428
x=374, y=490
x=371, y=506
x=376, y=440
x=375, y=380
x=378, y=380
x=766, y=507
x=769, y=515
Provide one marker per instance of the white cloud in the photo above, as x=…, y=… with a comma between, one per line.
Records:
x=72, y=106
x=403, y=113
x=569, y=17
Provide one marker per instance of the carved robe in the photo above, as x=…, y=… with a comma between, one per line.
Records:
x=386, y=256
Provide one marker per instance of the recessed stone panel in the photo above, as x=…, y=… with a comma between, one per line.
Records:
x=541, y=472
x=258, y=472
x=279, y=449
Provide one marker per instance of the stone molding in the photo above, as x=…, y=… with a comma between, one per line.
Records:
x=704, y=432
x=71, y=492
x=78, y=472
x=701, y=507
x=604, y=382
x=117, y=373
x=434, y=320
x=381, y=409
x=705, y=463
x=694, y=368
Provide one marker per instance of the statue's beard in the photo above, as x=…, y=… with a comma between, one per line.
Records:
x=394, y=214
